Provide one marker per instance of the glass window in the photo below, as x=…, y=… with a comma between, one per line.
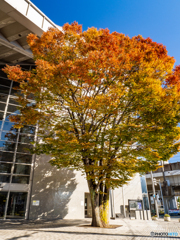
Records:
x=9, y=136
x=13, y=101
x=16, y=205
x=3, y=198
x=1, y=115
x=3, y=74
x=20, y=179
x=4, y=89
x=26, y=138
x=28, y=129
x=22, y=169
x=5, y=178
x=2, y=106
x=5, y=167
x=23, y=158
x=146, y=203
x=8, y=126
x=24, y=148
x=6, y=157
x=143, y=184
x=15, y=92
x=13, y=109
x=0, y=124
x=5, y=82
x=3, y=98
x=7, y=146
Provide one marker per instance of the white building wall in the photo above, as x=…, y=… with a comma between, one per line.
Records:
x=132, y=191
x=61, y=192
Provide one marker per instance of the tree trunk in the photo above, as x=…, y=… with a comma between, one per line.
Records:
x=104, y=208
x=100, y=207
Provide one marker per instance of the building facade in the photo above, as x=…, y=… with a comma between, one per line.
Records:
x=30, y=188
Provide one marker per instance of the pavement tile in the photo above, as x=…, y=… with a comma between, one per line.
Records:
x=65, y=229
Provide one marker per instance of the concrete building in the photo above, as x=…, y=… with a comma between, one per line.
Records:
x=30, y=187
x=167, y=186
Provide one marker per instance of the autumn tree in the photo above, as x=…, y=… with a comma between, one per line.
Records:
x=106, y=104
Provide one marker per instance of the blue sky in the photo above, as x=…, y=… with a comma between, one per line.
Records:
x=157, y=19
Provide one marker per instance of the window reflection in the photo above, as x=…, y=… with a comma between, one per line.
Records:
x=13, y=109
x=6, y=157
x=3, y=74
x=9, y=136
x=23, y=158
x=1, y=115
x=2, y=106
x=26, y=138
x=4, y=90
x=28, y=129
x=5, y=82
x=13, y=101
x=20, y=179
x=24, y=148
x=3, y=98
x=8, y=126
x=146, y=203
x=143, y=184
x=22, y=169
x=0, y=124
x=5, y=178
x=7, y=146
x=15, y=92
x=5, y=167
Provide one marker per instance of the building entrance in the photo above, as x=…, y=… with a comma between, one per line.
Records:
x=3, y=197
x=16, y=206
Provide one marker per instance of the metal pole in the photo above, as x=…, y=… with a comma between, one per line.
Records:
x=162, y=195
x=154, y=195
x=112, y=204
x=166, y=207
x=162, y=164
x=124, y=210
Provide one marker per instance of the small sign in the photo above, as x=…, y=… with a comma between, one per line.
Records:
x=135, y=205
x=139, y=206
x=35, y=202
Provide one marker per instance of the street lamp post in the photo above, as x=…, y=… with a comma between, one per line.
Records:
x=124, y=209
x=154, y=195
x=161, y=195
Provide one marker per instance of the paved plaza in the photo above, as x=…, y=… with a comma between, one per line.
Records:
x=73, y=230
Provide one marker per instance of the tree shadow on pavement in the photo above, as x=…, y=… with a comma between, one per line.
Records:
x=38, y=224
x=22, y=236
x=109, y=234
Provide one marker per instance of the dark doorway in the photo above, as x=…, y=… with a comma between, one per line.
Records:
x=3, y=198
x=17, y=205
